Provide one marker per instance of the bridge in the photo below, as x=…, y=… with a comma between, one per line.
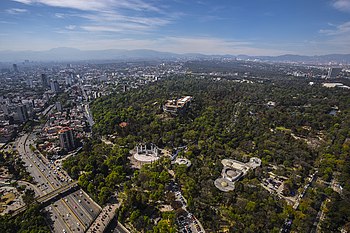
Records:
x=57, y=193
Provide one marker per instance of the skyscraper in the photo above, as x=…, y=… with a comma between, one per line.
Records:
x=44, y=81
x=59, y=106
x=333, y=72
x=15, y=68
x=55, y=88
x=22, y=113
x=66, y=139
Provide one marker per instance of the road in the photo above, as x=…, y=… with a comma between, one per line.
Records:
x=73, y=213
x=288, y=222
x=88, y=115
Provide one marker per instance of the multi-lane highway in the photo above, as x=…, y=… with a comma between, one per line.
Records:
x=73, y=213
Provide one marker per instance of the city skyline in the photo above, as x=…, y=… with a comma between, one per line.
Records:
x=272, y=27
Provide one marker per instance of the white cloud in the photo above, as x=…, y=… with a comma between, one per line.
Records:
x=95, y=5
x=16, y=11
x=336, y=38
x=71, y=27
x=136, y=16
x=60, y=15
x=116, y=22
x=337, y=29
x=342, y=5
x=7, y=22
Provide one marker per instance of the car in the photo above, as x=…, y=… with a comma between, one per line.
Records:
x=79, y=201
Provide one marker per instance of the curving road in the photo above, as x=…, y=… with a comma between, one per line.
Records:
x=67, y=214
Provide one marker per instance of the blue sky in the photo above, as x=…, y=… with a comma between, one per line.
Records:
x=253, y=27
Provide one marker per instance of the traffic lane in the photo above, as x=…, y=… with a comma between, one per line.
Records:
x=29, y=159
x=51, y=171
x=67, y=216
x=77, y=213
x=77, y=220
x=45, y=171
x=58, y=224
x=41, y=178
x=91, y=208
x=35, y=171
x=67, y=223
x=45, y=165
x=74, y=202
x=88, y=202
x=37, y=174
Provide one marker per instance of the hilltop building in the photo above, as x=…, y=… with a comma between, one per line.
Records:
x=177, y=106
x=183, y=161
x=233, y=170
x=146, y=154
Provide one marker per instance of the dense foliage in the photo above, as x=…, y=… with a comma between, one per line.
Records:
x=100, y=168
x=14, y=165
x=226, y=119
x=31, y=221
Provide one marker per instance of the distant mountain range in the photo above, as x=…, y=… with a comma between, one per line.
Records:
x=71, y=54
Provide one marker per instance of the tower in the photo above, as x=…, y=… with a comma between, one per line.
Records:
x=55, y=88
x=66, y=139
x=22, y=113
x=44, y=80
x=15, y=68
x=333, y=72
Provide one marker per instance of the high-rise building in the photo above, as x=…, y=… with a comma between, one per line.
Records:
x=59, y=106
x=15, y=68
x=44, y=81
x=5, y=109
x=333, y=72
x=55, y=87
x=22, y=113
x=69, y=81
x=66, y=139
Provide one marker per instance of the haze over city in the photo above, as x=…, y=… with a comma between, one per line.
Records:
x=166, y=116
x=254, y=27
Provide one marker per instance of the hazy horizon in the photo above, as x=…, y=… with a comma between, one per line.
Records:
x=276, y=27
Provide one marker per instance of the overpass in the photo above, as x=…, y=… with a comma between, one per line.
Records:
x=57, y=193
